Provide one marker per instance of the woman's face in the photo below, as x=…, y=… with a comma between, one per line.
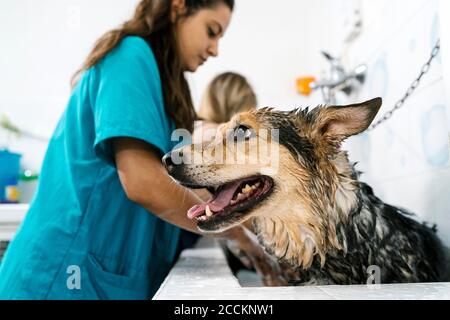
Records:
x=199, y=34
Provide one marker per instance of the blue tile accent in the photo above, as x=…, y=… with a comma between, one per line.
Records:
x=434, y=136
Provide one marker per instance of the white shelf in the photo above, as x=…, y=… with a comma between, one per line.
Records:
x=11, y=216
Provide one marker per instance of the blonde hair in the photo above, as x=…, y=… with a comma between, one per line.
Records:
x=229, y=93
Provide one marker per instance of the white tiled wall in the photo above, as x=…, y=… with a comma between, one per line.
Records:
x=406, y=159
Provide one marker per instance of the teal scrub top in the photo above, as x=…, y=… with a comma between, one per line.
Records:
x=82, y=238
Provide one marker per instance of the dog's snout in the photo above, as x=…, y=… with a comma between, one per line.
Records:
x=168, y=160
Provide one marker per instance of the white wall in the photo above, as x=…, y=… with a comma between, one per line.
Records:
x=42, y=43
x=444, y=15
x=271, y=43
x=406, y=159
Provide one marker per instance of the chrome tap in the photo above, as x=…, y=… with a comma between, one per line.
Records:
x=339, y=80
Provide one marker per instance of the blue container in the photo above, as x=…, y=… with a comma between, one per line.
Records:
x=9, y=171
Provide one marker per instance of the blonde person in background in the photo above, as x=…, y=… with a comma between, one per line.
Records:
x=228, y=94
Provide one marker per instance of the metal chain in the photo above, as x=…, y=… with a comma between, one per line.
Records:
x=411, y=89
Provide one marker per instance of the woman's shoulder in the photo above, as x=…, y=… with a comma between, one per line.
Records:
x=133, y=42
x=132, y=54
x=134, y=45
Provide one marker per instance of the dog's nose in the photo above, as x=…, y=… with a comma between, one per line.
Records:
x=167, y=160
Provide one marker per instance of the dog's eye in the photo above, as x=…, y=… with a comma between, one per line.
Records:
x=243, y=132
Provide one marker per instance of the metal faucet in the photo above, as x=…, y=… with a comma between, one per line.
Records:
x=339, y=80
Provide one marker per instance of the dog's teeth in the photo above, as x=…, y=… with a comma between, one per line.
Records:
x=232, y=202
x=256, y=185
x=247, y=189
x=208, y=211
x=238, y=197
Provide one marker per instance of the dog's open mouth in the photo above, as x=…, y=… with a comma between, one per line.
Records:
x=236, y=196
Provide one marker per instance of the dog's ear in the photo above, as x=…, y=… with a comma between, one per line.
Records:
x=336, y=123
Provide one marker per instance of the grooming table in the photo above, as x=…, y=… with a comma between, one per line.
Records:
x=203, y=273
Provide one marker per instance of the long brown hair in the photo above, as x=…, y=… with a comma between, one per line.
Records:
x=151, y=20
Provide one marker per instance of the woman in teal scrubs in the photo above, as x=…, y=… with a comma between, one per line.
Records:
x=98, y=225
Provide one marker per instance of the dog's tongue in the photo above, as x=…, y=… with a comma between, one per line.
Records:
x=220, y=200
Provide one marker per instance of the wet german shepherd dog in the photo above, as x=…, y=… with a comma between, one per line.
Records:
x=309, y=211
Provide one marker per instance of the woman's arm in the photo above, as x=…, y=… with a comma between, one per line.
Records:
x=147, y=183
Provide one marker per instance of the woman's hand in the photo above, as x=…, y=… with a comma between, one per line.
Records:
x=146, y=182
